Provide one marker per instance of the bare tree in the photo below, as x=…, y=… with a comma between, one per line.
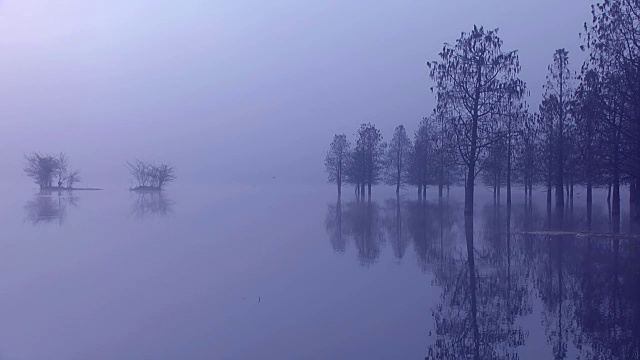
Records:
x=141, y=172
x=163, y=174
x=336, y=160
x=397, y=157
x=421, y=158
x=61, y=169
x=470, y=82
x=547, y=131
x=151, y=176
x=559, y=84
x=527, y=152
x=41, y=168
x=371, y=148
x=612, y=38
x=72, y=178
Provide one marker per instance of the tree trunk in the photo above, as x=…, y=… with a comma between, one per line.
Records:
x=634, y=202
x=509, y=165
x=560, y=149
x=571, y=192
x=615, y=211
x=468, y=191
x=589, y=193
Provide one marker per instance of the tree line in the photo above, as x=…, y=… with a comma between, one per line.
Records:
x=585, y=132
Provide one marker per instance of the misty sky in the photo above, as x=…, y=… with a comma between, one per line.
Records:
x=237, y=90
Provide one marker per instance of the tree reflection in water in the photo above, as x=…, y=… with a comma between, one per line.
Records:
x=49, y=207
x=492, y=268
x=151, y=203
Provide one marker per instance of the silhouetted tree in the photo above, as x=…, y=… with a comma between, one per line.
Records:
x=72, y=178
x=336, y=160
x=369, y=157
x=612, y=38
x=444, y=164
x=548, y=144
x=43, y=168
x=398, y=157
x=151, y=176
x=471, y=83
x=588, y=116
x=421, y=157
x=514, y=114
x=527, y=150
x=559, y=84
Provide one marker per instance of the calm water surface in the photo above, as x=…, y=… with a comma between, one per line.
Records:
x=278, y=272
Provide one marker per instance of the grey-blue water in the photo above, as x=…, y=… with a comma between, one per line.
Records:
x=277, y=272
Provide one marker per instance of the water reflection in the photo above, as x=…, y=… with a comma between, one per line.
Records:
x=49, y=207
x=492, y=269
x=148, y=204
x=358, y=222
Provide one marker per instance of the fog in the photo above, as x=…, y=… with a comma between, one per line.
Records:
x=221, y=116
x=237, y=91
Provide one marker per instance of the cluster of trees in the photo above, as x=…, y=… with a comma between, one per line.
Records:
x=151, y=176
x=586, y=130
x=427, y=160
x=50, y=171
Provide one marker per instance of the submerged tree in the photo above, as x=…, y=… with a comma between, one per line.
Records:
x=397, y=157
x=151, y=176
x=420, y=168
x=587, y=111
x=44, y=168
x=336, y=160
x=612, y=38
x=368, y=158
x=470, y=83
x=527, y=161
x=559, y=84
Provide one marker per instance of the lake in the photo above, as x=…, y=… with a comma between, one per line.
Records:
x=281, y=272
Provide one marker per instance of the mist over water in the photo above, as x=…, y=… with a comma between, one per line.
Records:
x=250, y=253
x=234, y=92
x=240, y=272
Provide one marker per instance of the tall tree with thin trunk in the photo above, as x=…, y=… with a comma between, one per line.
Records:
x=336, y=160
x=547, y=131
x=588, y=113
x=559, y=84
x=397, y=157
x=514, y=113
x=470, y=82
x=371, y=149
